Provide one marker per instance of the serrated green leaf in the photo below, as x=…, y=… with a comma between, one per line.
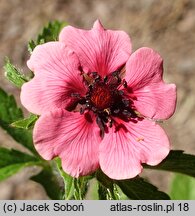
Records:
x=177, y=161
x=13, y=74
x=49, y=181
x=49, y=33
x=68, y=181
x=81, y=187
x=11, y=161
x=182, y=187
x=12, y=156
x=107, y=189
x=9, y=112
x=74, y=187
x=25, y=123
x=139, y=189
x=10, y=170
x=31, y=46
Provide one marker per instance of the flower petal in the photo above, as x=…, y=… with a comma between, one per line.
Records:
x=99, y=50
x=145, y=66
x=56, y=77
x=157, y=101
x=73, y=137
x=153, y=98
x=128, y=145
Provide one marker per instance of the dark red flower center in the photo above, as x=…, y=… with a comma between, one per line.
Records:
x=105, y=99
x=101, y=96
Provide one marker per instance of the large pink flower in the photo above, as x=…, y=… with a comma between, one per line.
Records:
x=98, y=103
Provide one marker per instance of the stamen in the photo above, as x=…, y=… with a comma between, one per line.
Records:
x=116, y=111
x=105, y=99
x=101, y=126
x=87, y=78
x=97, y=79
x=126, y=113
x=82, y=110
x=94, y=74
x=121, y=92
x=126, y=102
x=110, y=122
x=124, y=82
x=105, y=79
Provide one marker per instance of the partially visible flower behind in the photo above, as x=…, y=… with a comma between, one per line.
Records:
x=98, y=102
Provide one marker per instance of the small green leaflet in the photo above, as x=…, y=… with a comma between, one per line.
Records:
x=177, y=161
x=9, y=112
x=12, y=161
x=49, y=33
x=13, y=74
x=25, y=123
x=182, y=187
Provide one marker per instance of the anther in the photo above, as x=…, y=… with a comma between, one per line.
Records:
x=82, y=110
x=94, y=74
x=110, y=122
x=119, y=80
x=124, y=83
x=115, y=73
x=116, y=111
x=88, y=105
x=97, y=78
x=105, y=79
x=120, y=92
x=126, y=102
x=94, y=109
x=101, y=126
x=126, y=113
x=90, y=87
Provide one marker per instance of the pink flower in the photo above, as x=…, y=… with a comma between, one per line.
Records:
x=97, y=102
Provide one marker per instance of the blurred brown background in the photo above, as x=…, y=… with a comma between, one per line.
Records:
x=164, y=25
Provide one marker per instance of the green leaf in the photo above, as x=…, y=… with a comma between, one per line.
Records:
x=107, y=188
x=68, y=181
x=183, y=188
x=12, y=156
x=139, y=189
x=11, y=161
x=49, y=181
x=49, y=33
x=13, y=74
x=25, y=123
x=177, y=161
x=81, y=187
x=9, y=112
